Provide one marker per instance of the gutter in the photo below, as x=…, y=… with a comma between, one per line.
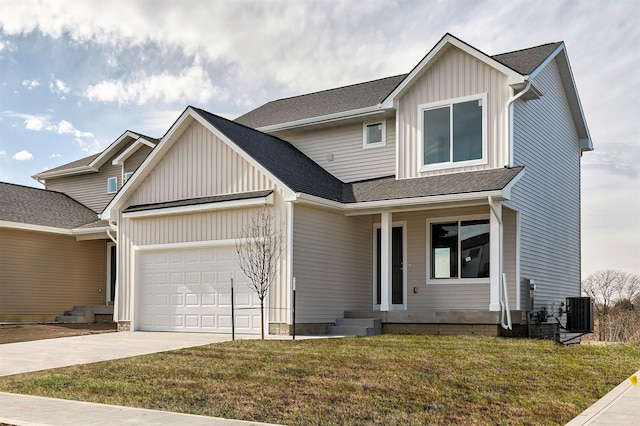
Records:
x=509, y=125
x=505, y=312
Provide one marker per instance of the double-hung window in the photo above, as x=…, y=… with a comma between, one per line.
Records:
x=374, y=134
x=459, y=250
x=453, y=133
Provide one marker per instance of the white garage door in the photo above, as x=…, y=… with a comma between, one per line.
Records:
x=190, y=290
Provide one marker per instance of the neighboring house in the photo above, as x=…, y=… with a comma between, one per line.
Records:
x=408, y=199
x=55, y=252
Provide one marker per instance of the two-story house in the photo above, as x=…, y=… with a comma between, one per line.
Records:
x=427, y=200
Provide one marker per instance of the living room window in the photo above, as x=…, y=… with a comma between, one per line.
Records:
x=453, y=132
x=459, y=250
x=112, y=185
x=374, y=134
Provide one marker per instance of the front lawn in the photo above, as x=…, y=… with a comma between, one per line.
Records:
x=387, y=379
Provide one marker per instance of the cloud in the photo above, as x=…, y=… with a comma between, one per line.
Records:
x=30, y=84
x=615, y=159
x=55, y=156
x=192, y=84
x=86, y=140
x=58, y=87
x=3, y=152
x=23, y=155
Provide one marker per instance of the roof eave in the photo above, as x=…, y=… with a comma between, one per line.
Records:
x=356, y=113
x=68, y=172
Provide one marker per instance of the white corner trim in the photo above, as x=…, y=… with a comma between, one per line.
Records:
x=201, y=208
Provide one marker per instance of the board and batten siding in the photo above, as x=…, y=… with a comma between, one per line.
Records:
x=332, y=263
x=339, y=150
x=37, y=283
x=455, y=74
x=198, y=165
x=90, y=189
x=548, y=195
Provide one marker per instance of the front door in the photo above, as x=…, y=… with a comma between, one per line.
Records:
x=397, y=288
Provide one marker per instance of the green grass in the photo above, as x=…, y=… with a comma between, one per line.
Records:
x=387, y=379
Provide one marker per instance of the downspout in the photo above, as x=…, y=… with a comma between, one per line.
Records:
x=504, y=298
x=508, y=139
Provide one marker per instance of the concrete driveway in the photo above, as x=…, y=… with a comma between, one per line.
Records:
x=23, y=357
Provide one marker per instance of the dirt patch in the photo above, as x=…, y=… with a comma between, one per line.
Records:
x=12, y=333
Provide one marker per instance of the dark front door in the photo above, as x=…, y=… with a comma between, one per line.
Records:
x=112, y=275
x=397, y=294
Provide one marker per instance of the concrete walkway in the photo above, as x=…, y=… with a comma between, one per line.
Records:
x=619, y=407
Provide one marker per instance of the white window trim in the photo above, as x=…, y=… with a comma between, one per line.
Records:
x=380, y=144
x=451, y=164
x=127, y=175
x=449, y=281
x=109, y=182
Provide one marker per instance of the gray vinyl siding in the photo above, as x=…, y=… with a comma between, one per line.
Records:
x=455, y=74
x=446, y=296
x=90, y=189
x=332, y=263
x=198, y=165
x=548, y=196
x=44, y=274
x=350, y=161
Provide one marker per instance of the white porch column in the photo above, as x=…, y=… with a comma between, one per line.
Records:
x=386, y=227
x=495, y=242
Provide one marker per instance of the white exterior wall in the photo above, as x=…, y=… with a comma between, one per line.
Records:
x=332, y=263
x=198, y=165
x=455, y=74
x=351, y=162
x=548, y=196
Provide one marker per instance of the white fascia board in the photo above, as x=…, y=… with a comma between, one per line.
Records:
x=365, y=207
x=571, y=91
x=110, y=211
x=67, y=172
x=201, y=208
x=356, y=113
x=288, y=192
x=36, y=228
x=513, y=77
x=106, y=154
x=120, y=159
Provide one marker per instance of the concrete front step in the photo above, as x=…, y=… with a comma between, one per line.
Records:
x=84, y=314
x=355, y=327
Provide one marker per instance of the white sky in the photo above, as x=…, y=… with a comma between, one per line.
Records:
x=74, y=75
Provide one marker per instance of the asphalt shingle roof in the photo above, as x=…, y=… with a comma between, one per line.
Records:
x=347, y=98
x=367, y=94
x=34, y=206
x=456, y=183
x=286, y=162
x=196, y=201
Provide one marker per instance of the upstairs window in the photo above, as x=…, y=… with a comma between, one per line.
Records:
x=127, y=176
x=374, y=134
x=112, y=185
x=453, y=133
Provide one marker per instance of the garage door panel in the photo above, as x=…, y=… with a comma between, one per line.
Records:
x=190, y=290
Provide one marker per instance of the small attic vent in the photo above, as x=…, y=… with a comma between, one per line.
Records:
x=579, y=315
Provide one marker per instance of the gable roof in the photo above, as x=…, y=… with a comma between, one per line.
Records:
x=526, y=61
x=318, y=104
x=34, y=206
x=92, y=163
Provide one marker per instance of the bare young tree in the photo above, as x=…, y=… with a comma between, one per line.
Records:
x=259, y=245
